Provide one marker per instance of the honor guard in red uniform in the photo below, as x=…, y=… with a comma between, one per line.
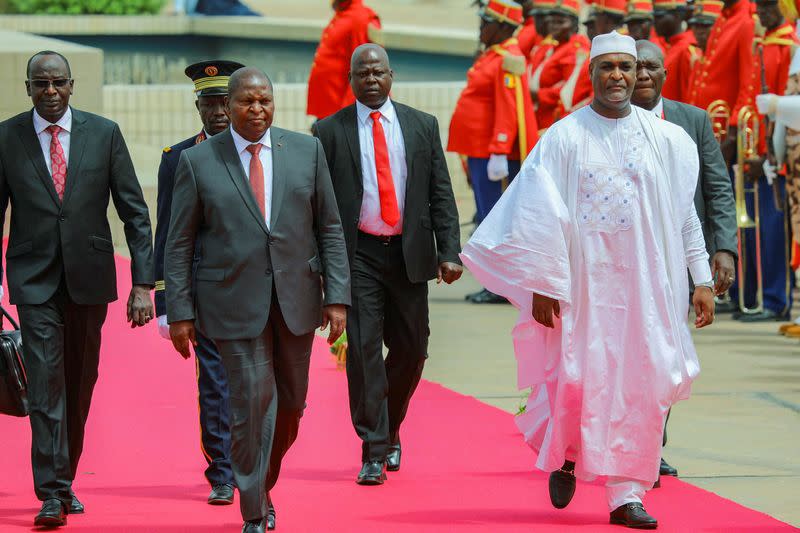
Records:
x=559, y=81
x=639, y=19
x=591, y=30
x=773, y=55
x=609, y=15
x=353, y=24
x=705, y=13
x=725, y=71
x=534, y=28
x=681, y=52
x=494, y=124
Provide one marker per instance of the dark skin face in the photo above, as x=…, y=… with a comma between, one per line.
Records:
x=613, y=79
x=540, y=21
x=730, y=3
x=251, y=107
x=213, y=113
x=650, y=77
x=605, y=23
x=668, y=23
x=640, y=28
x=50, y=102
x=560, y=26
x=769, y=15
x=338, y=5
x=494, y=32
x=701, y=33
x=591, y=29
x=370, y=77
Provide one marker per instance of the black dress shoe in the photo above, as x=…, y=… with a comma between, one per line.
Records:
x=393, y=457
x=372, y=473
x=270, y=514
x=562, y=485
x=487, y=297
x=52, y=514
x=221, y=495
x=764, y=316
x=75, y=506
x=666, y=469
x=634, y=516
x=472, y=295
x=254, y=526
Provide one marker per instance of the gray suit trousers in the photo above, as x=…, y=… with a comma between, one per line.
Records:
x=268, y=380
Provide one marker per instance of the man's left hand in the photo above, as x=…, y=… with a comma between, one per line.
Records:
x=140, y=306
x=703, y=301
x=753, y=169
x=336, y=316
x=722, y=270
x=448, y=272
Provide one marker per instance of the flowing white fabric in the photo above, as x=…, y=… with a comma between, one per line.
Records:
x=600, y=217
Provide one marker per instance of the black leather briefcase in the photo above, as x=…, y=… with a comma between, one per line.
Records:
x=13, y=381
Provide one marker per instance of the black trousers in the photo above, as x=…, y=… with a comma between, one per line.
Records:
x=268, y=383
x=386, y=308
x=215, y=430
x=61, y=348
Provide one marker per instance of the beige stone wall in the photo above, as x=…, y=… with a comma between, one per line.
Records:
x=15, y=50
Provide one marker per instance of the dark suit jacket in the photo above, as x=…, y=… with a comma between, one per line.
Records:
x=713, y=198
x=49, y=237
x=166, y=181
x=240, y=259
x=430, y=208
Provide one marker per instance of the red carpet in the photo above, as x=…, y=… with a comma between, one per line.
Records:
x=465, y=467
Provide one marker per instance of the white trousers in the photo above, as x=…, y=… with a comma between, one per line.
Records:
x=620, y=490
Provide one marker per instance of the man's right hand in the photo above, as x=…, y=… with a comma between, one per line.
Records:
x=543, y=310
x=182, y=334
x=163, y=327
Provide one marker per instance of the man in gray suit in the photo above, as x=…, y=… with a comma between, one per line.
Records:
x=713, y=198
x=58, y=168
x=258, y=202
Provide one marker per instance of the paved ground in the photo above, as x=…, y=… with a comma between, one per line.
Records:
x=737, y=436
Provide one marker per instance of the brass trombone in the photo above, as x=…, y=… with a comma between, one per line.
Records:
x=747, y=149
x=720, y=114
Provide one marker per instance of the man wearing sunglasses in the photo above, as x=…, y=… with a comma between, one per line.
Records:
x=59, y=167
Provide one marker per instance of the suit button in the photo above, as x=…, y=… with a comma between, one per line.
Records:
x=272, y=240
x=62, y=218
x=268, y=272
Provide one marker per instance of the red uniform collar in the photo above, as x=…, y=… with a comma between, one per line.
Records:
x=679, y=38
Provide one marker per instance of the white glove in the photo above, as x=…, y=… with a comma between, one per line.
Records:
x=163, y=327
x=497, y=167
x=764, y=102
x=770, y=171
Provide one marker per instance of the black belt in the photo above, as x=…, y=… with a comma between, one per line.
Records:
x=386, y=240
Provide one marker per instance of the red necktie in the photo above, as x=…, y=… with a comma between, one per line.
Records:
x=257, y=176
x=58, y=163
x=390, y=213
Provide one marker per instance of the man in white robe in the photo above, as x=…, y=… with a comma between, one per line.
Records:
x=592, y=242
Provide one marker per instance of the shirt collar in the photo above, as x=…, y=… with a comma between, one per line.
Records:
x=40, y=124
x=658, y=110
x=387, y=110
x=241, y=143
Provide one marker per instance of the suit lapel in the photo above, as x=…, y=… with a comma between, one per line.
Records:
x=350, y=124
x=229, y=155
x=31, y=143
x=405, y=127
x=279, y=174
x=77, y=143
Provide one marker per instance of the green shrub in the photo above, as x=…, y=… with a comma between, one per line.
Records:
x=86, y=7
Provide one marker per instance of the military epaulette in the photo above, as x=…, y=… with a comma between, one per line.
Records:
x=160, y=285
x=375, y=35
x=514, y=64
x=167, y=149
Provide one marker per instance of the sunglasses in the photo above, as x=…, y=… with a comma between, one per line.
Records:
x=44, y=84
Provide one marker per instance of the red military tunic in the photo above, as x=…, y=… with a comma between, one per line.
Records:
x=494, y=111
x=328, y=86
x=726, y=68
x=561, y=79
x=776, y=47
x=680, y=56
x=658, y=40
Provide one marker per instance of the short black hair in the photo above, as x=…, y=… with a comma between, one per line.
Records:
x=47, y=53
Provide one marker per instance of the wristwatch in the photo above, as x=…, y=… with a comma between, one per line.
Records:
x=709, y=284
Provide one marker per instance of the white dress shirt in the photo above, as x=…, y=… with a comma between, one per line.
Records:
x=370, y=220
x=659, y=108
x=40, y=126
x=265, y=155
